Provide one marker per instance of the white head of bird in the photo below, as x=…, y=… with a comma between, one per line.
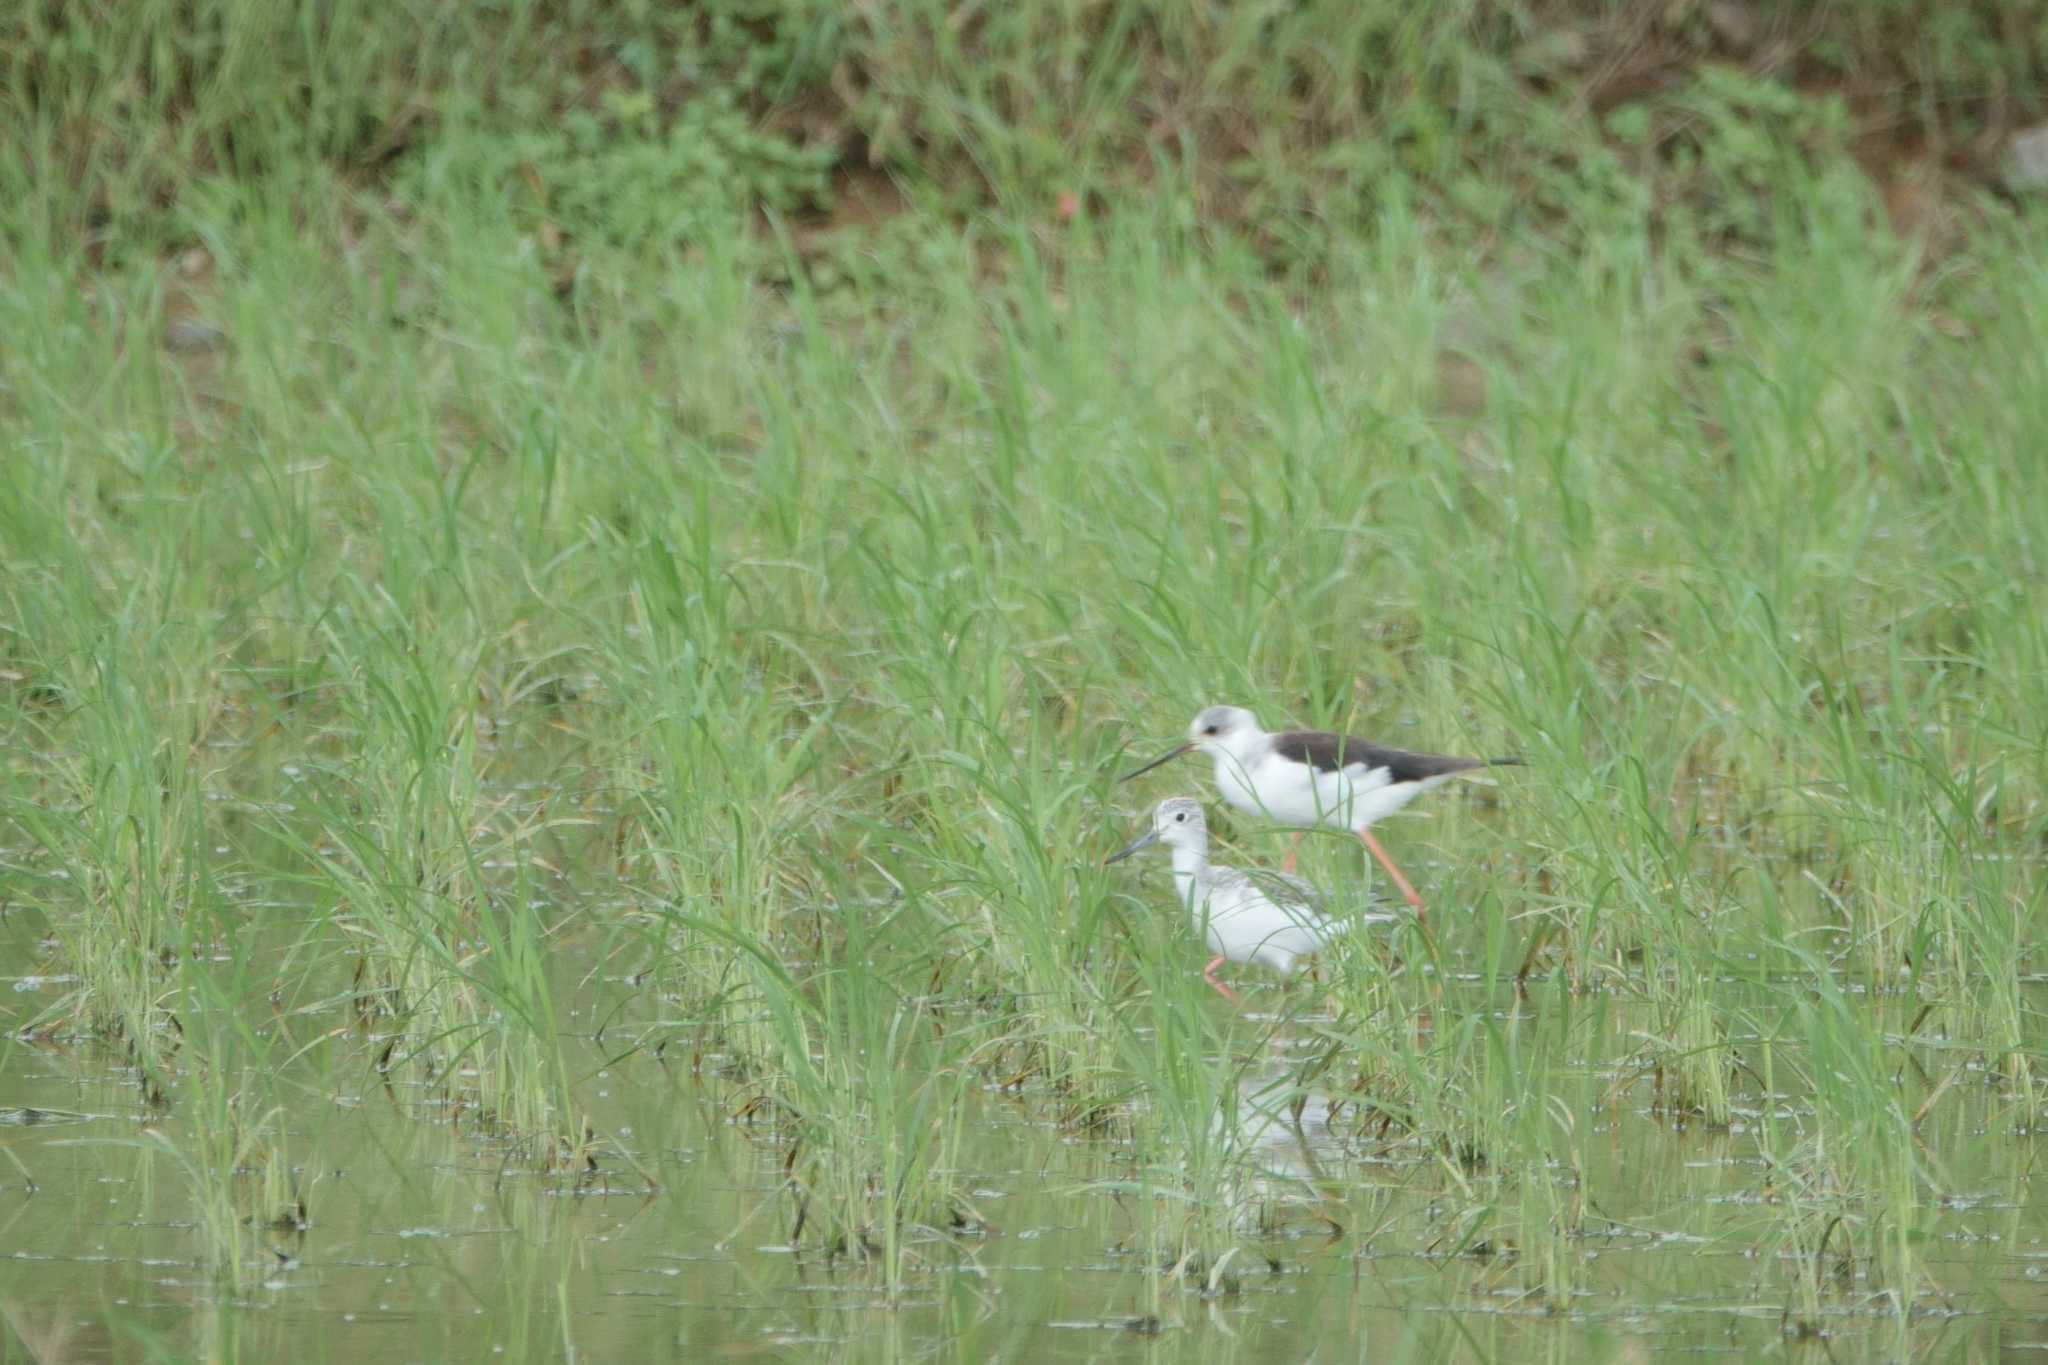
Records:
x=1177, y=822
x=1229, y=734
x=1225, y=732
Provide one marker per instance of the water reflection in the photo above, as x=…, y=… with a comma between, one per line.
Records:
x=1662, y=1232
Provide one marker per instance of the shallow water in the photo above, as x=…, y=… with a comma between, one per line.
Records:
x=424, y=1241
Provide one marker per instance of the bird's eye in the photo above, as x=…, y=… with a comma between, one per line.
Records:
x=1210, y=729
x=1180, y=817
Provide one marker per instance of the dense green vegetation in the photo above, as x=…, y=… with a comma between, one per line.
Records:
x=644, y=126
x=676, y=516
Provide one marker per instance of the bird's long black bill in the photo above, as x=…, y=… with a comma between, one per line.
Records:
x=1167, y=757
x=1146, y=842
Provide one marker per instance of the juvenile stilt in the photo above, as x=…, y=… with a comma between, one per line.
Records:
x=1266, y=920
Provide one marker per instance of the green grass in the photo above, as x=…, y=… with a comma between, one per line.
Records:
x=763, y=626
x=610, y=123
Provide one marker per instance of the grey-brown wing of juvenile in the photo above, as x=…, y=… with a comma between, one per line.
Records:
x=1298, y=894
x=1281, y=888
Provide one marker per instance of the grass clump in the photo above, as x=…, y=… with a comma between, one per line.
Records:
x=864, y=1089
x=430, y=866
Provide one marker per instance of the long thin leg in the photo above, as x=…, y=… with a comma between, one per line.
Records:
x=1287, y=864
x=1372, y=846
x=1209, y=975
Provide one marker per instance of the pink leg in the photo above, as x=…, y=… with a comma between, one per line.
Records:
x=1287, y=864
x=1372, y=846
x=1209, y=975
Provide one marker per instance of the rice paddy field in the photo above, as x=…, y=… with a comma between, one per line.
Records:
x=559, y=732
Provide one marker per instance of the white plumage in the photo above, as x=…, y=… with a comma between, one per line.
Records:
x=1268, y=919
x=1315, y=779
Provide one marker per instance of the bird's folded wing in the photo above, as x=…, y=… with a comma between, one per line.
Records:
x=1285, y=889
x=1330, y=753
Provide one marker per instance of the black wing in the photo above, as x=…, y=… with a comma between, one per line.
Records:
x=1329, y=753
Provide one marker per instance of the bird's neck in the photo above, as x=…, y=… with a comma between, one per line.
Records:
x=1189, y=862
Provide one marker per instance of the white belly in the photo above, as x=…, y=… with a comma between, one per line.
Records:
x=1299, y=797
x=1249, y=928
